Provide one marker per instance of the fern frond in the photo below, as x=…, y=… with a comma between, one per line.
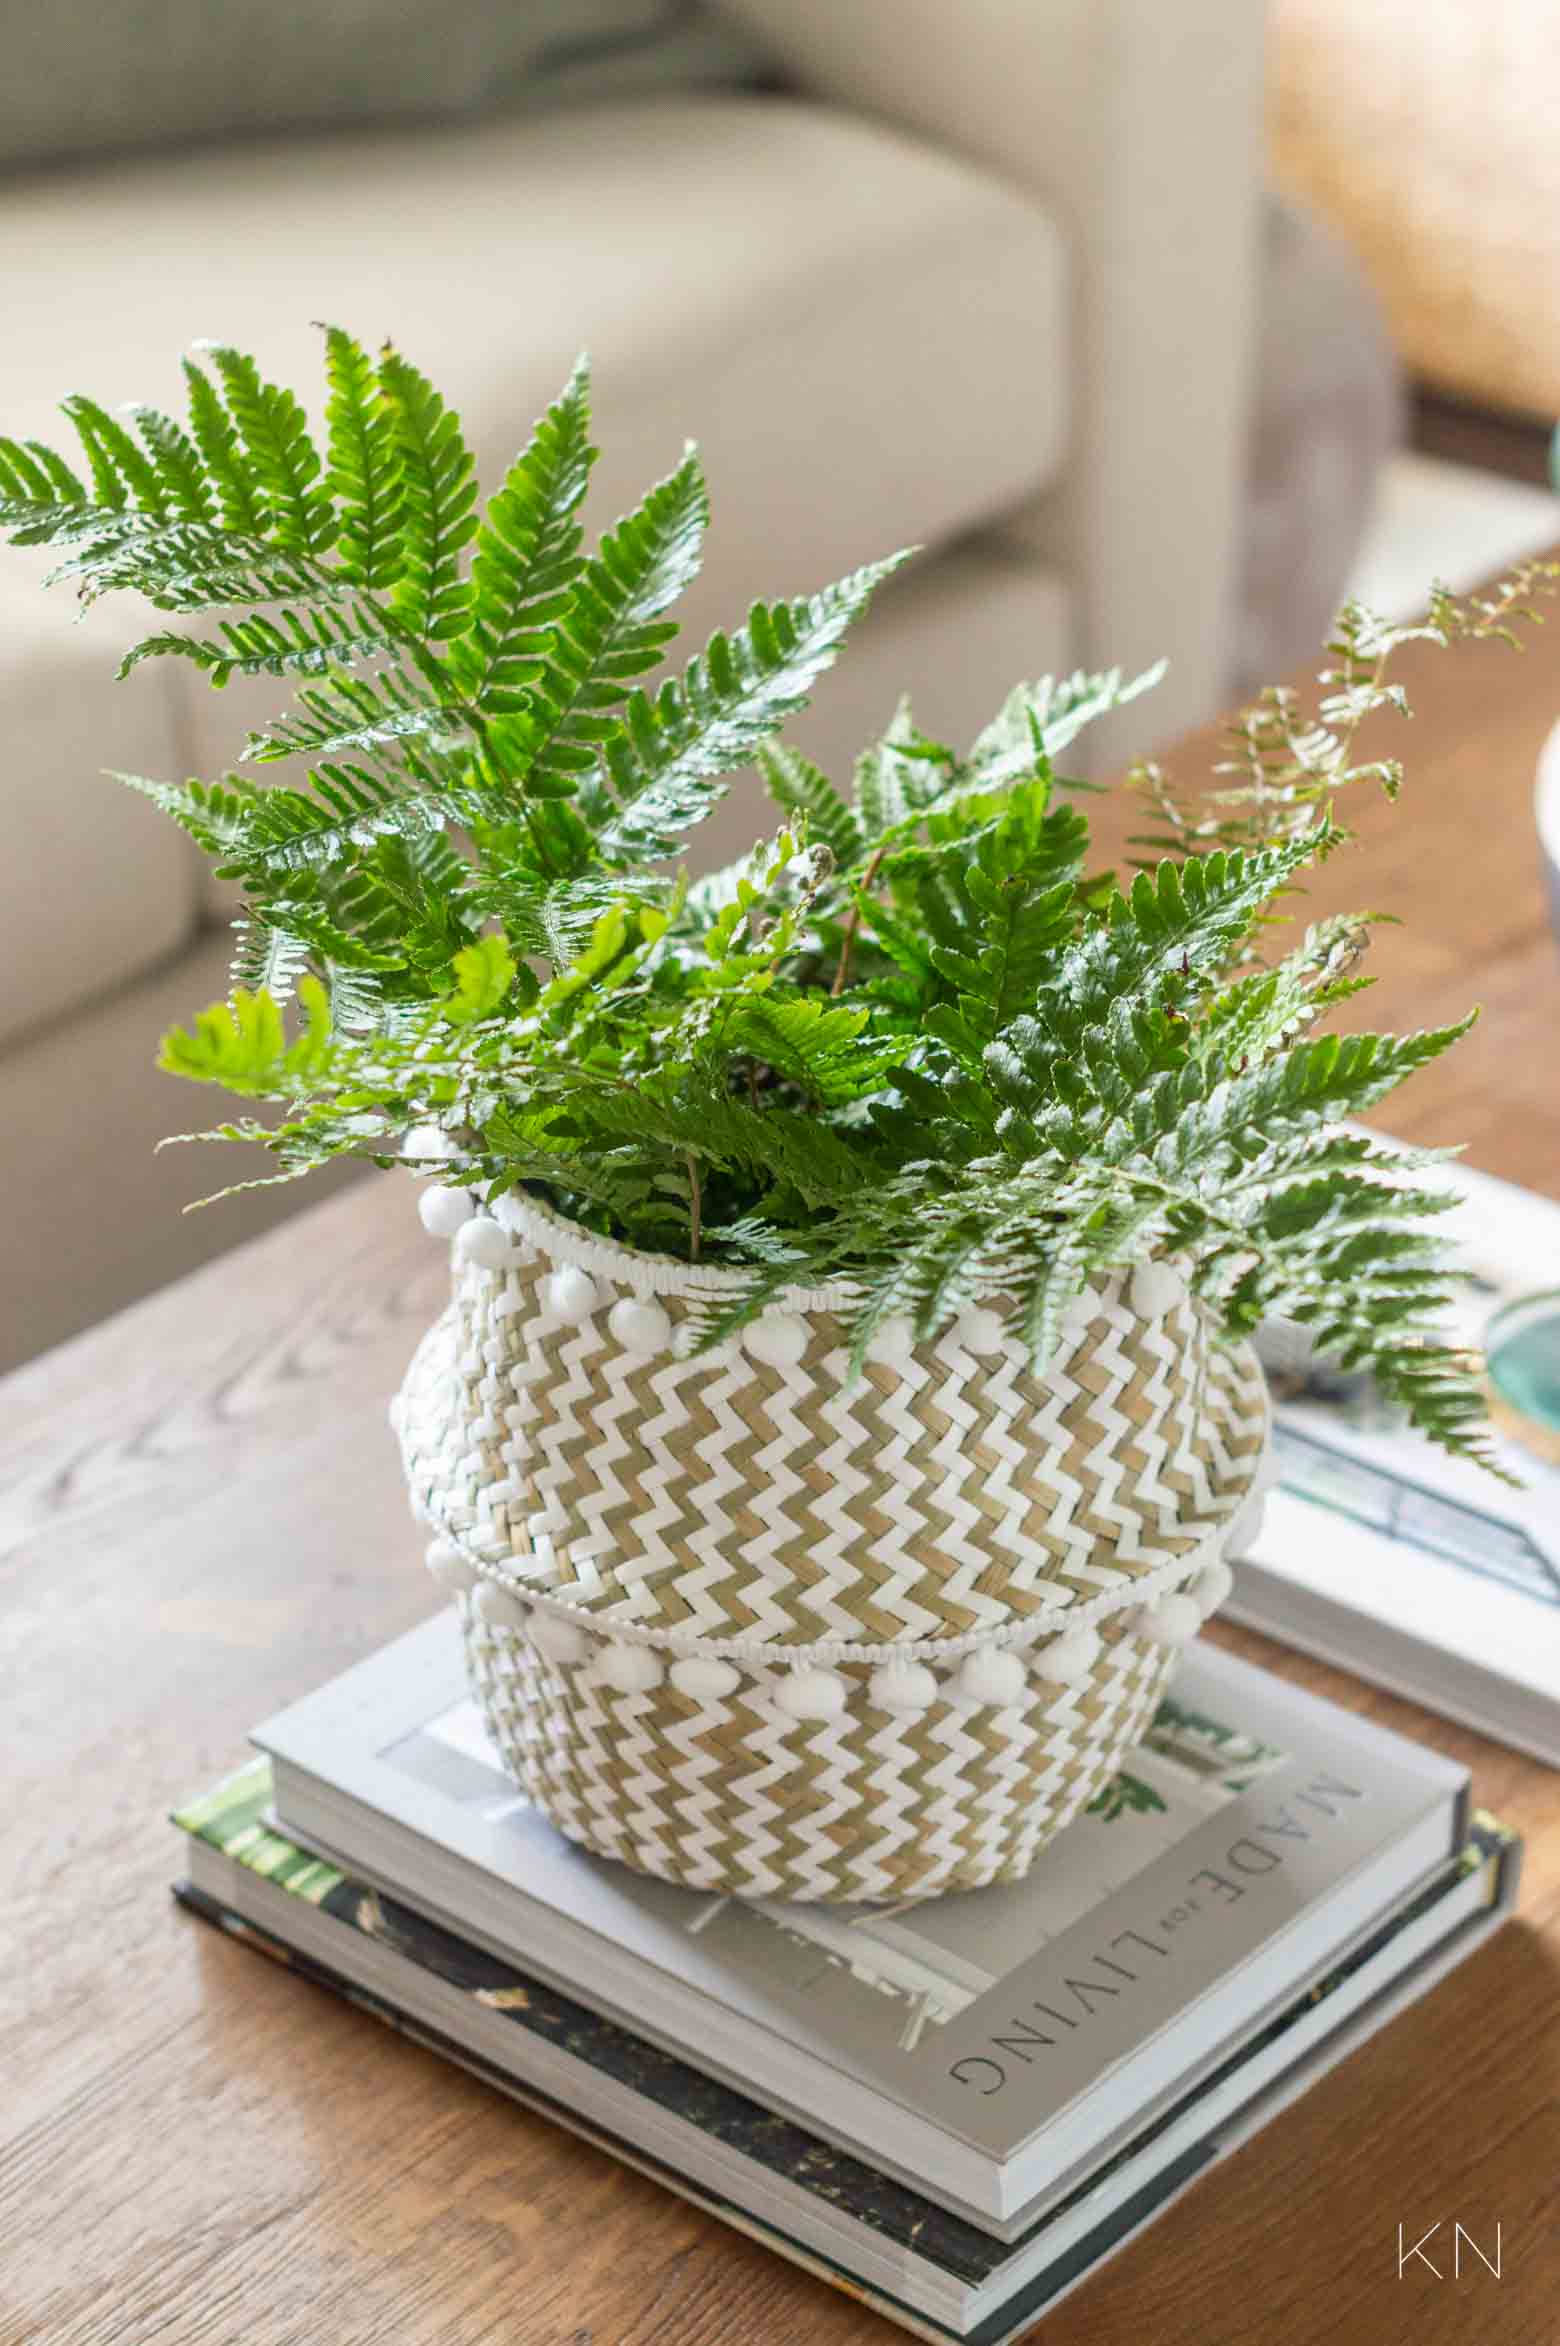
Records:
x=267, y=959
x=240, y=1043
x=290, y=643
x=1046, y=716
x=238, y=495
x=122, y=473
x=431, y=596
x=177, y=464
x=1178, y=924
x=799, y=788
x=347, y=714
x=367, y=472
x=284, y=832
x=813, y=1043
x=185, y=566
x=213, y=814
x=892, y=782
x=665, y=763
x=527, y=556
x=284, y=462
x=31, y=474
x=609, y=630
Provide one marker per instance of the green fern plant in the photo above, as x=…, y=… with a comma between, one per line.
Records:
x=910, y=1041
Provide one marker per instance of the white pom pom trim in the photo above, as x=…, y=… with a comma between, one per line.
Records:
x=482, y=1242
x=1156, y=1288
x=1070, y=1659
x=981, y=1332
x=443, y=1211
x=811, y=1693
x=570, y=1294
x=450, y=1568
x=639, y=1325
x=557, y=1637
x=1172, y=1621
x=498, y=1608
x=993, y=1677
x=631, y=1669
x=427, y=1141
x=778, y=1339
x=704, y=1678
x=893, y=1342
x=904, y=1688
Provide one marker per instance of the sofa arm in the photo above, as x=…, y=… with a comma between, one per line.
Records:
x=1138, y=126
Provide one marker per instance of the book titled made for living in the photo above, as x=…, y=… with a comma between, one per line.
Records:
x=997, y=2041
x=916, y=2260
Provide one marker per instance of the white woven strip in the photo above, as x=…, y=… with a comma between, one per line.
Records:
x=1015, y=1635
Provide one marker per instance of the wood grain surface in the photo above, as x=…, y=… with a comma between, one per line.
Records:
x=200, y=1518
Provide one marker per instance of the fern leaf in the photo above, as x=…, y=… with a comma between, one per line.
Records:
x=1179, y=922
x=484, y=973
x=283, y=458
x=211, y=428
x=1046, y=716
x=1317, y=1081
x=351, y=713
x=240, y=1043
x=367, y=471
x=122, y=473
x=30, y=473
x=431, y=597
x=285, y=832
x=527, y=556
x=894, y=782
x=609, y=631
x=268, y=959
x=185, y=566
x=177, y=464
x=665, y=762
x=290, y=643
x=214, y=814
x=814, y=1043
x=798, y=788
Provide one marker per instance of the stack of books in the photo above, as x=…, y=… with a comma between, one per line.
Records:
x=1384, y=1555
x=953, y=2109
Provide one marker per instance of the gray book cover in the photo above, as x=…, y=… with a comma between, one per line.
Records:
x=985, y=2013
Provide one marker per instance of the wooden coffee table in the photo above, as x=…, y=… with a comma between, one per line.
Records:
x=200, y=1517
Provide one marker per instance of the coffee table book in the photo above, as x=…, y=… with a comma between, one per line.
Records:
x=1386, y=1556
x=997, y=2044
x=919, y=2263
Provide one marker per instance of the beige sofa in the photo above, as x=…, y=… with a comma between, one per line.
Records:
x=978, y=278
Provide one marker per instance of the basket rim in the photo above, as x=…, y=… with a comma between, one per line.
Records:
x=568, y=1242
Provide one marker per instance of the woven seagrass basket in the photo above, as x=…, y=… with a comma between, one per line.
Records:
x=746, y=1625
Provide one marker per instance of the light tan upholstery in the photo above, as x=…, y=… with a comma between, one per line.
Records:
x=95, y=888
x=93, y=1216
x=1138, y=127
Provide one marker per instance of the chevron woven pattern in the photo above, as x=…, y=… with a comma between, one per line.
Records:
x=735, y=1797
x=752, y=1507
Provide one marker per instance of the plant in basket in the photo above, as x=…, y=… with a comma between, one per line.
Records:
x=844, y=1405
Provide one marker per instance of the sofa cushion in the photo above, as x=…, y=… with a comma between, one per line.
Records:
x=81, y=78
x=869, y=338
x=95, y=887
